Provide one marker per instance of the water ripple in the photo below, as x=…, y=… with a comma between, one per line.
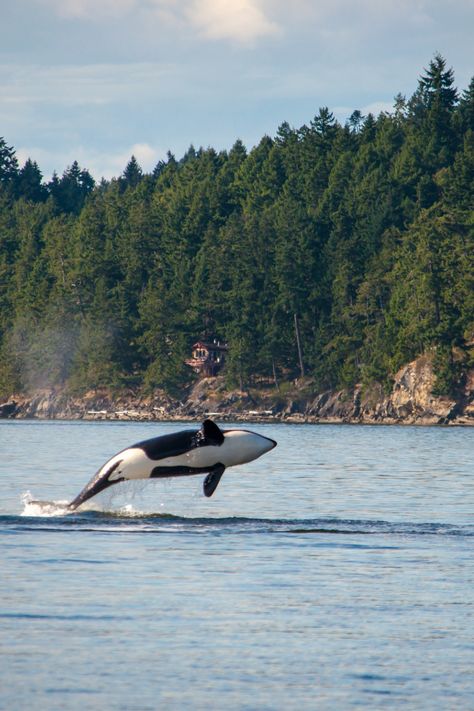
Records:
x=116, y=522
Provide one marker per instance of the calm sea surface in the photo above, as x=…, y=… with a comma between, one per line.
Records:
x=336, y=572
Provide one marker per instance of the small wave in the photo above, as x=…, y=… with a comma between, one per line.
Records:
x=130, y=520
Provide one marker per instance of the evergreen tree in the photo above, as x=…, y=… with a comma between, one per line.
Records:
x=466, y=108
x=437, y=85
x=132, y=173
x=355, y=121
x=340, y=252
x=71, y=190
x=8, y=164
x=439, y=97
x=29, y=183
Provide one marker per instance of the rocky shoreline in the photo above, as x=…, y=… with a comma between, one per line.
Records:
x=410, y=402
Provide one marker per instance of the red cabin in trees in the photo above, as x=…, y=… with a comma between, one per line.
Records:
x=207, y=358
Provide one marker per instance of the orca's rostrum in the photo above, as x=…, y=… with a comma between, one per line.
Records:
x=208, y=450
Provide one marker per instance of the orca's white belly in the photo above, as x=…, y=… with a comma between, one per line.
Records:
x=134, y=465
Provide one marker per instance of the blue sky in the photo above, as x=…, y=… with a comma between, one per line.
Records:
x=98, y=80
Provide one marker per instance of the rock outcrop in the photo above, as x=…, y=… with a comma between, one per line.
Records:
x=411, y=401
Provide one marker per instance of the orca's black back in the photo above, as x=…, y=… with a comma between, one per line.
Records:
x=170, y=445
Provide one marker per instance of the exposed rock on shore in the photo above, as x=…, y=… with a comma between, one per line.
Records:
x=410, y=402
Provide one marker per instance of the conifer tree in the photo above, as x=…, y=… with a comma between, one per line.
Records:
x=132, y=173
x=29, y=182
x=466, y=108
x=8, y=166
x=337, y=251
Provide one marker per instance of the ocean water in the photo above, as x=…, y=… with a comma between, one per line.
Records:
x=336, y=572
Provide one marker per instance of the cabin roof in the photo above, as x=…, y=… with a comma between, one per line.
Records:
x=210, y=346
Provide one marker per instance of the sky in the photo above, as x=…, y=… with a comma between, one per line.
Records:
x=99, y=80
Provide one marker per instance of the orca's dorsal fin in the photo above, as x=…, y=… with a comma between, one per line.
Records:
x=212, y=433
x=212, y=479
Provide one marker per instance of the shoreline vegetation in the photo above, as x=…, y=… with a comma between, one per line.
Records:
x=325, y=258
x=411, y=401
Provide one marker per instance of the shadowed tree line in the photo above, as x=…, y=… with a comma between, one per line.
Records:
x=337, y=251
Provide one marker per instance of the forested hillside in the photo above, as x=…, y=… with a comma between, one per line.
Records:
x=358, y=237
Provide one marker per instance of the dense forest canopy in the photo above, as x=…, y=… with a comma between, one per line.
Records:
x=357, y=238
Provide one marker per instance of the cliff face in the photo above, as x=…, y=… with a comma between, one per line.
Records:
x=410, y=402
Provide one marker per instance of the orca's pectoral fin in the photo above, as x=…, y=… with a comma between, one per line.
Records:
x=212, y=480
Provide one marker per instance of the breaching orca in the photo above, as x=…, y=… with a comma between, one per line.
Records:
x=209, y=450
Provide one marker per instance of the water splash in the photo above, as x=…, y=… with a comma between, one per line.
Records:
x=34, y=507
x=39, y=509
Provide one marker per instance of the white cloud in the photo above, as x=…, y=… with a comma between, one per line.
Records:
x=146, y=155
x=100, y=164
x=242, y=21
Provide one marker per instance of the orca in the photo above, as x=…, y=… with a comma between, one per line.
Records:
x=208, y=450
